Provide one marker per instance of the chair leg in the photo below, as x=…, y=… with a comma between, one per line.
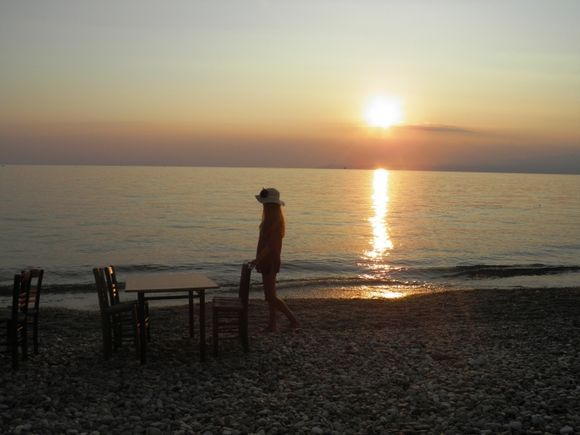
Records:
x=24, y=332
x=215, y=332
x=137, y=331
x=244, y=332
x=13, y=344
x=147, y=330
x=107, y=342
x=148, y=323
x=117, y=332
x=35, y=333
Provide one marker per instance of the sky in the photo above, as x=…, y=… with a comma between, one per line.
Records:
x=482, y=85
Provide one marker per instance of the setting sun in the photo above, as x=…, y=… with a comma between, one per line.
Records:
x=383, y=112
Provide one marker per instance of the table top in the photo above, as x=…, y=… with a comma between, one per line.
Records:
x=168, y=282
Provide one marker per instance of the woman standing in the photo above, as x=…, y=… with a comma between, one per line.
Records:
x=267, y=260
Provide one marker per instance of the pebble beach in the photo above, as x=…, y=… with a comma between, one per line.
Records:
x=463, y=362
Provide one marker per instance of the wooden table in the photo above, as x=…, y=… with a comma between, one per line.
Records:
x=170, y=286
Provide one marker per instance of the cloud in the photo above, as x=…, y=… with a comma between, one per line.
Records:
x=440, y=128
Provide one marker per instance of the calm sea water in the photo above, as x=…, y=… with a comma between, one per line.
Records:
x=359, y=233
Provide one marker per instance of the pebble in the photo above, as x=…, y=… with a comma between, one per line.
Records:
x=461, y=362
x=515, y=425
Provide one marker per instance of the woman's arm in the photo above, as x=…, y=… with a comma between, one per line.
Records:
x=263, y=253
x=268, y=244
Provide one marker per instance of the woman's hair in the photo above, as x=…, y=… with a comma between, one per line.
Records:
x=273, y=219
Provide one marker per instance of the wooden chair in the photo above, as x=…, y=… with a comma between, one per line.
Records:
x=111, y=315
x=36, y=276
x=230, y=314
x=15, y=318
x=114, y=299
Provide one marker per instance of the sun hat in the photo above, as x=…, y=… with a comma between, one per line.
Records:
x=269, y=196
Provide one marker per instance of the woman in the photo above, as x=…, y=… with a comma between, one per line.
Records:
x=267, y=260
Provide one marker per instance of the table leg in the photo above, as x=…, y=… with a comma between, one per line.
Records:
x=191, y=324
x=202, y=325
x=142, y=330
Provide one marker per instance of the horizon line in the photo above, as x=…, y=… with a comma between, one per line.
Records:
x=327, y=167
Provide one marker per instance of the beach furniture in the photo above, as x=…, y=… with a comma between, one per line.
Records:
x=36, y=276
x=159, y=286
x=114, y=317
x=230, y=314
x=115, y=299
x=15, y=318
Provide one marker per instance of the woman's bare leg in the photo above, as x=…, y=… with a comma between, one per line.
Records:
x=275, y=303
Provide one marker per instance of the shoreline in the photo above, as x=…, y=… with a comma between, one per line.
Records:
x=498, y=361
x=86, y=298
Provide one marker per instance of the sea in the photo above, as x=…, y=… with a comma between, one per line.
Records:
x=349, y=233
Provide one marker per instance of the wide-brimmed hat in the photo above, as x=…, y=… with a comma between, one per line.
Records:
x=269, y=196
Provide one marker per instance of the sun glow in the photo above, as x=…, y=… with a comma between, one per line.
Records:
x=383, y=112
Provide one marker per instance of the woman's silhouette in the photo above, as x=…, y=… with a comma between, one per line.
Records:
x=267, y=262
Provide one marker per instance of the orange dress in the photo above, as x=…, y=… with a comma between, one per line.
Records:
x=270, y=262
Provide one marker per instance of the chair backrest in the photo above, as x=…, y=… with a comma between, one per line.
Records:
x=36, y=276
x=112, y=285
x=102, y=290
x=21, y=294
x=16, y=295
x=244, y=291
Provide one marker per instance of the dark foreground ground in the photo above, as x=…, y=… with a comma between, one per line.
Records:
x=461, y=362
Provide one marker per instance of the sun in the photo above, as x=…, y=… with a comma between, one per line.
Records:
x=383, y=112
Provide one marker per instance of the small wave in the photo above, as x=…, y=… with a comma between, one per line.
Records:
x=482, y=271
x=303, y=279
x=161, y=268
x=344, y=282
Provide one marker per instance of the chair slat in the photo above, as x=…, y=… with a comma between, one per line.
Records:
x=36, y=276
x=113, y=317
x=16, y=318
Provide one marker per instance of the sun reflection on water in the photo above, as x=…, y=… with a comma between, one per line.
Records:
x=382, y=242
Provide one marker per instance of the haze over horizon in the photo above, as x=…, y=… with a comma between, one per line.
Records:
x=481, y=86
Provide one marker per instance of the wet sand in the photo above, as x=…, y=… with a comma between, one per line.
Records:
x=497, y=361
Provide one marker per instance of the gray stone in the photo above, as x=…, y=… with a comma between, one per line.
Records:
x=515, y=425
